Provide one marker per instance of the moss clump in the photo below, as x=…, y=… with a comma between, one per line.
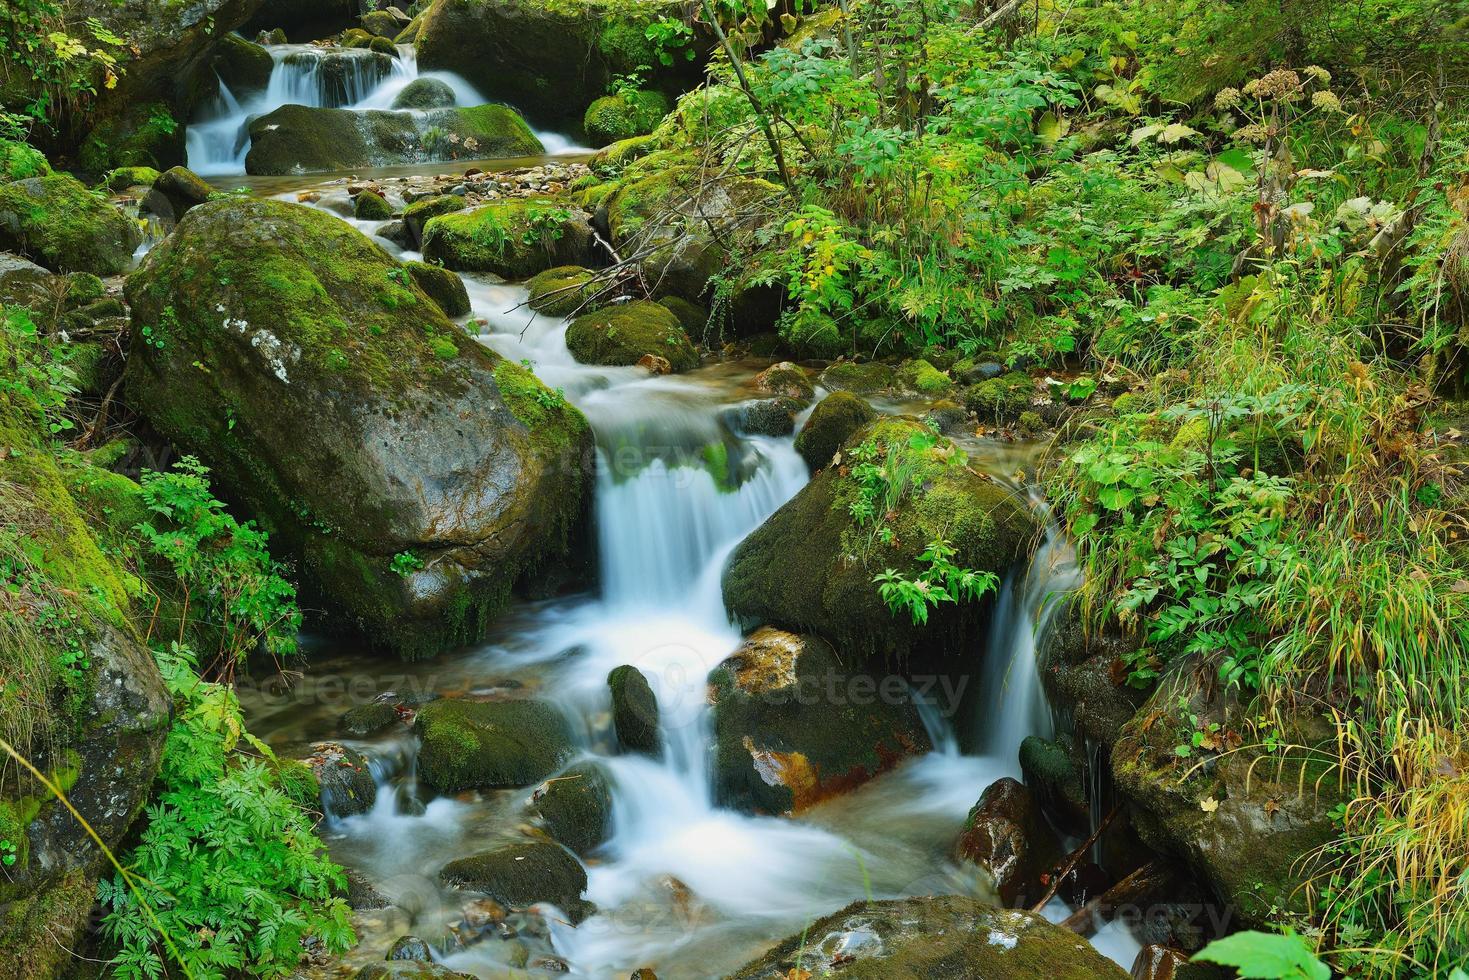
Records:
x=624, y=115
x=1002, y=399
x=19, y=161
x=556, y=428
x=562, y=291
x=60, y=224
x=490, y=744
x=617, y=155
x=1030, y=423
x=242, y=65
x=371, y=206
x=445, y=288
x=576, y=807
x=923, y=377
x=490, y=130
x=421, y=212
x=1128, y=403
x=512, y=238
x=124, y=177
x=691, y=316
x=523, y=874
x=425, y=93
x=355, y=37
x=625, y=334
x=832, y=423
x=864, y=379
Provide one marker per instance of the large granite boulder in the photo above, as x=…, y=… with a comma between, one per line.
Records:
x=415, y=474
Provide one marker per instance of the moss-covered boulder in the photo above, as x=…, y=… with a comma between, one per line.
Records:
x=369, y=205
x=420, y=212
x=864, y=378
x=787, y=380
x=182, y=189
x=521, y=875
x=369, y=719
x=684, y=224
x=627, y=333
x=831, y=424
x=424, y=93
x=925, y=938
x=241, y=65
x=23, y=283
x=921, y=376
x=445, y=288
x=511, y=238
x=306, y=139
x=415, y=474
x=388, y=23
x=793, y=727
x=562, y=291
x=1006, y=835
x=20, y=161
x=548, y=59
x=123, y=178
x=1001, y=400
x=575, y=806
x=634, y=711
x=624, y=115
x=810, y=566
x=1250, y=825
x=56, y=221
x=490, y=744
x=1052, y=775
x=764, y=416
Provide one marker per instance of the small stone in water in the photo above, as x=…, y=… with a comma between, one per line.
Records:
x=409, y=948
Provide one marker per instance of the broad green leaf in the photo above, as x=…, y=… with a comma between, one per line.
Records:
x=1266, y=956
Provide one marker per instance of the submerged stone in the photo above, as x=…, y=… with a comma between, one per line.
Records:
x=634, y=711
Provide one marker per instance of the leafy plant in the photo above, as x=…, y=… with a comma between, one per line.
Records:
x=405, y=563
x=940, y=582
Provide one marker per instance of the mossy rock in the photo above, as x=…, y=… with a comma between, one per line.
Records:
x=616, y=155
x=445, y=288
x=23, y=283
x=787, y=380
x=183, y=189
x=562, y=291
x=831, y=424
x=241, y=65
x=425, y=93
x=634, y=711
x=576, y=807
x=791, y=729
x=924, y=378
x=308, y=139
x=369, y=719
x=383, y=45
x=485, y=131
x=926, y=938
x=124, y=177
x=625, y=115
x=490, y=744
x=355, y=37
x=521, y=875
x=344, y=409
x=59, y=223
x=135, y=135
x=21, y=161
x=764, y=416
x=409, y=970
x=867, y=378
x=1054, y=778
x=1264, y=839
x=512, y=238
x=810, y=567
x=344, y=779
x=627, y=333
x=419, y=213
x=384, y=23
x=1000, y=400
x=369, y=205
x=1007, y=836
x=691, y=316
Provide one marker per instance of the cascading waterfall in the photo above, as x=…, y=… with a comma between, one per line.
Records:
x=680, y=883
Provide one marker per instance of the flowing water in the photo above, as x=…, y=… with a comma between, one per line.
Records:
x=681, y=885
x=320, y=77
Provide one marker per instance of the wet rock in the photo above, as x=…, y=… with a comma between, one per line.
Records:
x=445, y=288
x=576, y=806
x=58, y=223
x=514, y=238
x=1006, y=835
x=1055, y=780
x=1083, y=672
x=765, y=417
x=397, y=233
x=418, y=214
x=183, y=189
x=802, y=570
x=23, y=283
x=387, y=23
x=345, y=778
x=925, y=938
x=973, y=373
x=362, y=895
x=830, y=424
x=1154, y=962
x=947, y=417
x=371, y=206
x=424, y=93
x=317, y=341
x=787, y=380
x=409, y=970
x=634, y=711
x=624, y=115
x=521, y=875
x=691, y=316
x=1251, y=826
x=1000, y=400
x=792, y=727
x=243, y=66
x=866, y=378
x=131, y=179
x=369, y=719
x=562, y=291
x=490, y=744
x=628, y=332
x=410, y=948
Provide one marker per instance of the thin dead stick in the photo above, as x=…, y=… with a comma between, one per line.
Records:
x=1083, y=920
x=1086, y=845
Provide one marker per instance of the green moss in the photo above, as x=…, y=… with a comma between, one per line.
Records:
x=624, y=115
x=445, y=288
x=58, y=223
x=1128, y=403
x=371, y=206
x=625, y=334
x=561, y=291
x=144, y=135
x=865, y=378
x=576, y=807
x=490, y=744
x=1000, y=399
x=832, y=423
x=496, y=131
x=691, y=316
x=20, y=160
x=555, y=425
x=923, y=377
x=617, y=155
x=512, y=238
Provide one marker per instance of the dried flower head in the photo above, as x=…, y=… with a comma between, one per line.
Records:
x=1253, y=133
x=1226, y=98
x=1277, y=83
